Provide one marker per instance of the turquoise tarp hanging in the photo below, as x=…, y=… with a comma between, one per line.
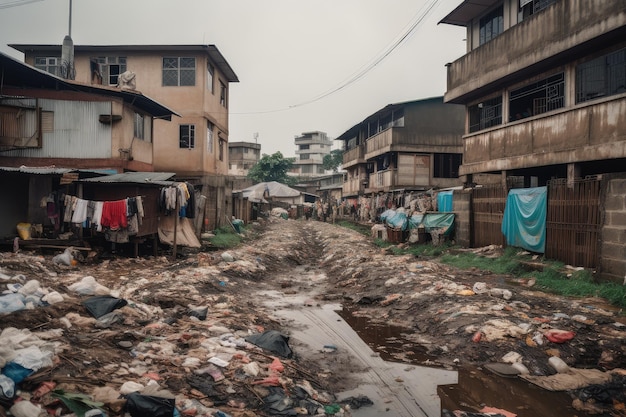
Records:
x=524, y=220
x=439, y=221
x=444, y=201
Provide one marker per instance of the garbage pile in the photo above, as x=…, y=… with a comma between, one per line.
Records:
x=147, y=338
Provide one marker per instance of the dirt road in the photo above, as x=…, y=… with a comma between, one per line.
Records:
x=292, y=276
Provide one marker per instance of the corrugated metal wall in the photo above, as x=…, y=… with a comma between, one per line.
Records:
x=77, y=131
x=487, y=211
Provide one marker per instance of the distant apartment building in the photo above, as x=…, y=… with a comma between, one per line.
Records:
x=242, y=156
x=193, y=80
x=414, y=145
x=311, y=147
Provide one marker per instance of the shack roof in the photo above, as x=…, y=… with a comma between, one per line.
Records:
x=145, y=178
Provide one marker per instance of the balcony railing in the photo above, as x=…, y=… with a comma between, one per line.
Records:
x=585, y=132
x=353, y=186
x=354, y=156
x=558, y=29
x=382, y=179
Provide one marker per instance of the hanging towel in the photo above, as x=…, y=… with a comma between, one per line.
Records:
x=80, y=211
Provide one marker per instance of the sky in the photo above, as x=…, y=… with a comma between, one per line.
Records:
x=303, y=66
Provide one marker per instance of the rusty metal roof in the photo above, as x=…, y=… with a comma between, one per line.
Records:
x=159, y=178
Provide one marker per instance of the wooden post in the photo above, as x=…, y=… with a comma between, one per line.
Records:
x=174, y=246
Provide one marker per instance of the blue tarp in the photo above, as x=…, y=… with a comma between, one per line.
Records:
x=444, y=201
x=524, y=220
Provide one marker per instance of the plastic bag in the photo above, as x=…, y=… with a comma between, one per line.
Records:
x=100, y=305
x=273, y=341
x=139, y=405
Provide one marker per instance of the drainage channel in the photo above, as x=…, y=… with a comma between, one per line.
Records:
x=396, y=389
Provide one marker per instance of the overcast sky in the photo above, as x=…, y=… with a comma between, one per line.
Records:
x=302, y=65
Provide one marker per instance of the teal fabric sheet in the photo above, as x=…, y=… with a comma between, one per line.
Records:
x=524, y=220
x=444, y=201
x=443, y=221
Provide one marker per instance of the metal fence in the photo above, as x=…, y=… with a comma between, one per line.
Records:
x=573, y=220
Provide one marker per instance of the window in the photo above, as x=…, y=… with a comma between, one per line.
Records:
x=536, y=98
x=446, y=165
x=600, y=77
x=305, y=156
x=187, y=137
x=209, y=78
x=209, y=137
x=139, y=126
x=221, y=154
x=48, y=64
x=485, y=114
x=528, y=8
x=491, y=25
x=179, y=71
x=304, y=147
x=109, y=68
x=222, y=94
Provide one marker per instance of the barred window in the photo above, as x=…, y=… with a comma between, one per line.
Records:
x=486, y=114
x=187, y=137
x=538, y=97
x=179, y=71
x=602, y=76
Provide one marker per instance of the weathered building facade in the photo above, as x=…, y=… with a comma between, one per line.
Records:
x=193, y=80
x=544, y=86
x=242, y=156
x=311, y=147
x=543, y=83
x=413, y=145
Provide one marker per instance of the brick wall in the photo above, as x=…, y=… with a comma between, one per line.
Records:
x=613, y=243
x=461, y=205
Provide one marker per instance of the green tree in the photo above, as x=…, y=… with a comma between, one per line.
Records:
x=333, y=160
x=272, y=168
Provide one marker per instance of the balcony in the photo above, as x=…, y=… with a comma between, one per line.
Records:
x=564, y=30
x=354, y=156
x=404, y=140
x=353, y=186
x=586, y=132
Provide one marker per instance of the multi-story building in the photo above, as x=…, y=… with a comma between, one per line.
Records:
x=414, y=145
x=311, y=147
x=242, y=156
x=544, y=86
x=193, y=80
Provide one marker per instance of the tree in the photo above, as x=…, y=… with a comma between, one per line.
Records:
x=333, y=160
x=272, y=168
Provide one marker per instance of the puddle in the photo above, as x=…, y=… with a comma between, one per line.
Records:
x=475, y=388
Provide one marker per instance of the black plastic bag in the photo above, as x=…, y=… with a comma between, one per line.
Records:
x=138, y=405
x=100, y=305
x=273, y=341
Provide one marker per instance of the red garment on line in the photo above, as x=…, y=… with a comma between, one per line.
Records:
x=114, y=214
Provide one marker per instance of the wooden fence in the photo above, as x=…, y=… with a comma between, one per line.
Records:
x=573, y=220
x=487, y=211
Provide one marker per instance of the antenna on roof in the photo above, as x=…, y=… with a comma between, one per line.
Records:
x=255, y=136
x=67, y=52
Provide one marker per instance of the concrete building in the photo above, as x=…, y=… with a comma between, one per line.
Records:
x=544, y=87
x=242, y=156
x=414, y=145
x=311, y=147
x=543, y=83
x=193, y=80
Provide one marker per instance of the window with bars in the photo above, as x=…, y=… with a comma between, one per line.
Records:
x=528, y=8
x=446, y=165
x=209, y=137
x=110, y=68
x=486, y=114
x=187, y=137
x=539, y=97
x=209, y=80
x=49, y=64
x=138, y=124
x=179, y=71
x=221, y=149
x=223, y=94
x=601, y=77
x=491, y=25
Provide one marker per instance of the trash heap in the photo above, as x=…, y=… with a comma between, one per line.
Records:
x=147, y=338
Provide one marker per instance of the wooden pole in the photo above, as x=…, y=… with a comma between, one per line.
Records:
x=174, y=246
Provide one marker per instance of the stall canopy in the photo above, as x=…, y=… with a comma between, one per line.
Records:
x=272, y=189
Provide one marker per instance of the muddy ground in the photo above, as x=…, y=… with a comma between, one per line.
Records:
x=444, y=317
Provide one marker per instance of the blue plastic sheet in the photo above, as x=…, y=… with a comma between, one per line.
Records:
x=524, y=220
x=444, y=201
x=395, y=219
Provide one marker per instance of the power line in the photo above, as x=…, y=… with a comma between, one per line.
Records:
x=418, y=19
x=16, y=3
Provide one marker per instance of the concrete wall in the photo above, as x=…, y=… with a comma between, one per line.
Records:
x=461, y=206
x=613, y=243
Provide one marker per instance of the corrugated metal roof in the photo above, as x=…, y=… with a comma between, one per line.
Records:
x=38, y=170
x=160, y=178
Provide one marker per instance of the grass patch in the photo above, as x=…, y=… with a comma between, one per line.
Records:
x=364, y=230
x=225, y=237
